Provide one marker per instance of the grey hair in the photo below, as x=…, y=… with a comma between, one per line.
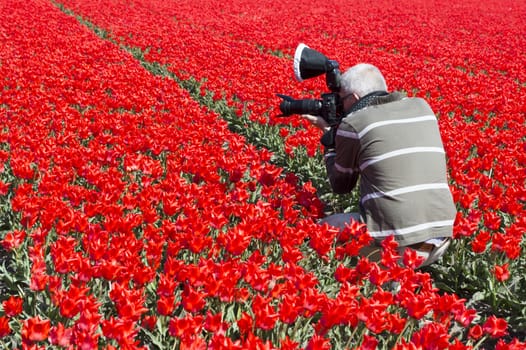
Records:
x=362, y=79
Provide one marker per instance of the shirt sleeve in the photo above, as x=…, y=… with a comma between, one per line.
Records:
x=342, y=161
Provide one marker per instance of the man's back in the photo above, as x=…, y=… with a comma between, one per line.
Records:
x=396, y=147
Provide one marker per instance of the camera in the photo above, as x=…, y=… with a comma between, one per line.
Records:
x=309, y=63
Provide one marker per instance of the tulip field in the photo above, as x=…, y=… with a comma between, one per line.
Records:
x=152, y=198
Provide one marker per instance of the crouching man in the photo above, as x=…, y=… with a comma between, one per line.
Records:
x=391, y=145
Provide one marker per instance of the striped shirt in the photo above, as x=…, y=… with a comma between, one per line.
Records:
x=395, y=150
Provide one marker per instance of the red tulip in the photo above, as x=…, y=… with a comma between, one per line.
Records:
x=501, y=272
x=13, y=306
x=495, y=326
x=5, y=329
x=35, y=329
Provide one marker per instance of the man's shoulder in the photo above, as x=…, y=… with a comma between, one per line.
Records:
x=417, y=102
x=398, y=107
x=400, y=101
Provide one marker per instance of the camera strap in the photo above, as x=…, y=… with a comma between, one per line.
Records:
x=367, y=100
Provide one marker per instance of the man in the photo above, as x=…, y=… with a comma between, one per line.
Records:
x=392, y=144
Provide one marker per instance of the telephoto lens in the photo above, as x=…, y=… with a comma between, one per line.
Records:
x=291, y=106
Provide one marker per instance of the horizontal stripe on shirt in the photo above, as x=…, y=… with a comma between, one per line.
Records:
x=329, y=154
x=400, y=152
x=348, y=134
x=402, y=190
x=358, y=135
x=344, y=170
x=411, y=229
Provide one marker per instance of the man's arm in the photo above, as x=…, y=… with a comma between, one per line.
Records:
x=341, y=158
x=342, y=161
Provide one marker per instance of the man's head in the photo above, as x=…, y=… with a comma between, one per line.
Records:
x=360, y=80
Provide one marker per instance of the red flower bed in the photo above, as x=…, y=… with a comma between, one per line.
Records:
x=139, y=219
x=467, y=61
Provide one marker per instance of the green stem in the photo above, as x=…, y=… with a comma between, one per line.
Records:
x=351, y=337
x=476, y=346
x=295, y=329
x=512, y=297
x=409, y=323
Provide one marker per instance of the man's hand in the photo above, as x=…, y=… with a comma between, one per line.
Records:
x=318, y=122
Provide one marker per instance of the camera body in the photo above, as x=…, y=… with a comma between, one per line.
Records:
x=327, y=107
x=309, y=63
